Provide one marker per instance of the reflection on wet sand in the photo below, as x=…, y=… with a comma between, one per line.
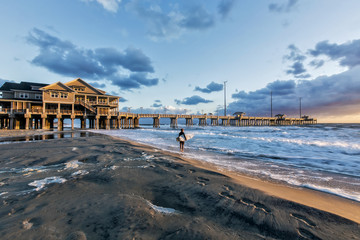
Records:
x=38, y=137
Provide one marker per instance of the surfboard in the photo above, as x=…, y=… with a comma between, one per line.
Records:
x=182, y=139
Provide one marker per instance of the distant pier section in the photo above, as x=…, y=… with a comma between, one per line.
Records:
x=29, y=105
x=131, y=120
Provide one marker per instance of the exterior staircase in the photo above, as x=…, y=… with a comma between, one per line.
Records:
x=88, y=106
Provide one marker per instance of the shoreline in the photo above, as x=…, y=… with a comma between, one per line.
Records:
x=347, y=208
x=104, y=187
x=341, y=206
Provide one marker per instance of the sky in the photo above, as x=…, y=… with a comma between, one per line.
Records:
x=173, y=56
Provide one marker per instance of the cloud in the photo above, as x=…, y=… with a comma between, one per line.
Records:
x=122, y=99
x=224, y=7
x=134, y=80
x=197, y=18
x=281, y=8
x=97, y=84
x=323, y=96
x=317, y=63
x=172, y=23
x=156, y=105
x=193, y=100
x=297, y=58
x=347, y=53
x=65, y=58
x=295, y=54
x=296, y=68
x=212, y=87
x=109, y=5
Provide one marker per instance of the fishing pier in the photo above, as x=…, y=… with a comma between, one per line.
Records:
x=131, y=120
x=29, y=105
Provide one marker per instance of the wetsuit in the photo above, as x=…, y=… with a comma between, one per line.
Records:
x=182, y=133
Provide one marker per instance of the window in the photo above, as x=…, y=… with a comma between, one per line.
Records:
x=79, y=89
x=63, y=95
x=54, y=94
x=38, y=96
x=1, y=95
x=23, y=95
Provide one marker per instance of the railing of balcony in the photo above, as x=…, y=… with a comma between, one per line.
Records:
x=51, y=111
x=4, y=110
x=65, y=111
x=19, y=110
x=36, y=110
x=78, y=112
x=103, y=111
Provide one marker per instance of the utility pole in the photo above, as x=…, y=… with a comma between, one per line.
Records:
x=225, y=98
x=271, y=103
x=300, y=106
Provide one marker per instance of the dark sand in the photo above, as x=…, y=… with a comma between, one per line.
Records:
x=117, y=199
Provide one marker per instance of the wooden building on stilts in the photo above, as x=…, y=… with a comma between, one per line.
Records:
x=29, y=105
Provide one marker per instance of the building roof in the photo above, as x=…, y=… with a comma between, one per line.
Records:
x=58, y=84
x=26, y=86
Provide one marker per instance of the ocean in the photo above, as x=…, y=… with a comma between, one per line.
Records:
x=324, y=157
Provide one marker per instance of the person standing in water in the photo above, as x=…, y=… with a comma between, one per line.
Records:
x=182, y=143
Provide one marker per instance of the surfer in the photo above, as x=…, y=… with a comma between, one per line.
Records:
x=182, y=139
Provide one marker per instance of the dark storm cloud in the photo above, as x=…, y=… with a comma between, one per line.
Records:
x=224, y=7
x=338, y=91
x=212, y=87
x=168, y=24
x=284, y=7
x=67, y=59
x=193, y=100
x=347, y=53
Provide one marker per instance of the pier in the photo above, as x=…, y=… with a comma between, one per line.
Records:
x=28, y=105
x=131, y=120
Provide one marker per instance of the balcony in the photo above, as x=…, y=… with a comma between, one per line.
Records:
x=36, y=110
x=4, y=110
x=51, y=111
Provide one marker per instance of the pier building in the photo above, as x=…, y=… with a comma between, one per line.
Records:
x=29, y=105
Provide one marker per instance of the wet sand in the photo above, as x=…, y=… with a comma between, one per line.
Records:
x=116, y=189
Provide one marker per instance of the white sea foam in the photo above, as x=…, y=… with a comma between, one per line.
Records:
x=80, y=173
x=3, y=193
x=294, y=154
x=40, y=184
x=72, y=164
x=336, y=191
x=163, y=210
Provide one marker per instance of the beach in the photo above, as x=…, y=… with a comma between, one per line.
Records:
x=103, y=187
